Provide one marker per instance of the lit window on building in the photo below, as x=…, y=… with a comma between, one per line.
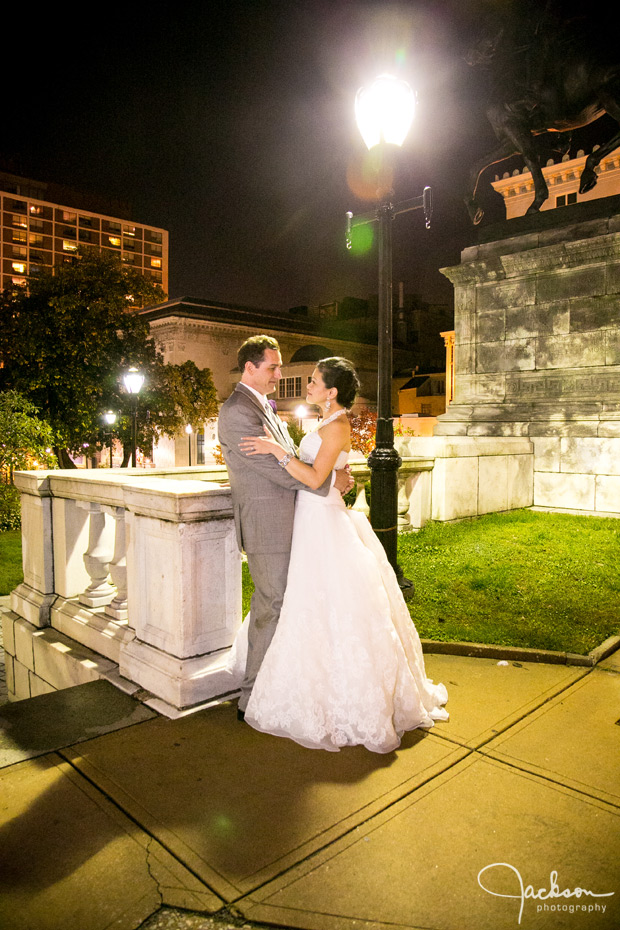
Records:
x=19, y=267
x=565, y=199
x=18, y=282
x=289, y=387
x=69, y=217
x=19, y=221
x=69, y=246
x=114, y=241
x=129, y=230
x=35, y=209
x=200, y=448
x=19, y=235
x=35, y=239
x=156, y=263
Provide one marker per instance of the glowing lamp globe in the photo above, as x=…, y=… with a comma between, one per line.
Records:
x=384, y=111
x=133, y=380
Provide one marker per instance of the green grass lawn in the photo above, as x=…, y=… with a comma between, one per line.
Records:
x=547, y=581
x=541, y=580
x=10, y=560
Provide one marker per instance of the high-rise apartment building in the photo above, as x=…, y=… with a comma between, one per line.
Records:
x=43, y=225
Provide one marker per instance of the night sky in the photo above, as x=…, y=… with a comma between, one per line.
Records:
x=231, y=125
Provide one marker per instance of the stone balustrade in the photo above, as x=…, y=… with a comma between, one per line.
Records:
x=135, y=577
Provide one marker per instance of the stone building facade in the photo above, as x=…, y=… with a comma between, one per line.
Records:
x=209, y=334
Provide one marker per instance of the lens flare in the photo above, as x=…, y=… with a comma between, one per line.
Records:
x=362, y=238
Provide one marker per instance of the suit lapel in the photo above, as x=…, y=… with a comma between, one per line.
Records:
x=272, y=421
x=275, y=425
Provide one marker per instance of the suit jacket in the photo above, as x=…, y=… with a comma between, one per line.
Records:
x=263, y=493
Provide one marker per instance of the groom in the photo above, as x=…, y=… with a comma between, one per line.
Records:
x=263, y=494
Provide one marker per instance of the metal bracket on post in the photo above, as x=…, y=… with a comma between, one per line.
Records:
x=424, y=202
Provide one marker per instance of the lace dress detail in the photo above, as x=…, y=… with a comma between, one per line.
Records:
x=345, y=666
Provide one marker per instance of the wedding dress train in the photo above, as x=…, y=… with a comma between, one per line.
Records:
x=345, y=665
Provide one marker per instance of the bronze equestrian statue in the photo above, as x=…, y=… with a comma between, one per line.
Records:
x=552, y=76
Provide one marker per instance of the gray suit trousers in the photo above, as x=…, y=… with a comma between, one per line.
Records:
x=269, y=571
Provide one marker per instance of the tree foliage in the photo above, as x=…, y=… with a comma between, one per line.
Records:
x=26, y=442
x=66, y=345
x=172, y=397
x=363, y=430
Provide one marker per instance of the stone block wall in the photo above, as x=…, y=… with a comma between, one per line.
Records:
x=537, y=355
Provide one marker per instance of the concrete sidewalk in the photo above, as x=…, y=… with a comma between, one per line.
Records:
x=115, y=817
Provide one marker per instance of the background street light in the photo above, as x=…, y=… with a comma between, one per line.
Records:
x=384, y=113
x=300, y=413
x=133, y=381
x=189, y=431
x=110, y=418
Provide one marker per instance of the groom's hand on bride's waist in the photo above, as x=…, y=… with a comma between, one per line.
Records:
x=344, y=481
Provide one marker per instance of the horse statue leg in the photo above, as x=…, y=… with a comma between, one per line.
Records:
x=505, y=150
x=588, y=175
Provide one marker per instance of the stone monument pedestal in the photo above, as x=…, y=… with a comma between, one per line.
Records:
x=537, y=351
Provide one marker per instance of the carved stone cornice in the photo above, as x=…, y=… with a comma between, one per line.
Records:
x=539, y=260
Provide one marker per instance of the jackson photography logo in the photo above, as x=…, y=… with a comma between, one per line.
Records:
x=546, y=897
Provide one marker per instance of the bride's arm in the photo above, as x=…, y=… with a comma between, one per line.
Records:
x=335, y=438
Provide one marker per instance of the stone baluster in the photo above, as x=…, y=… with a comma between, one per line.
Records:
x=361, y=503
x=97, y=557
x=361, y=473
x=403, y=502
x=117, y=609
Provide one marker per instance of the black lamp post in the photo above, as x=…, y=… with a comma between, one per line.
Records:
x=384, y=113
x=133, y=381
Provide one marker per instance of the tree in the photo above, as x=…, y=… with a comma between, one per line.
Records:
x=65, y=344
x=363, y=429
x=26, y=442
x=173, y=396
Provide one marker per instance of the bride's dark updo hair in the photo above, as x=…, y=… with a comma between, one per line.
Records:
x=339, y=373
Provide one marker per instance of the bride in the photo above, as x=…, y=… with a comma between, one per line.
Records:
x=345, y=665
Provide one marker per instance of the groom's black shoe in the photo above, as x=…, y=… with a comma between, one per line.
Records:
x=240, y=714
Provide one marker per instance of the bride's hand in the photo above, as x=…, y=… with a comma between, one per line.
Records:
x=261, y=445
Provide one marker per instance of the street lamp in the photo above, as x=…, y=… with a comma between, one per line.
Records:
x=300, y=413
x=110, y=418
x=189, y=431
x=133, y=381
x=384, y=113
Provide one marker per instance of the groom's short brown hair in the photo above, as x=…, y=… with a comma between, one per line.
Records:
x=253, y=350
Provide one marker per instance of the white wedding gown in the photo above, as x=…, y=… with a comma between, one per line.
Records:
x=345, y=665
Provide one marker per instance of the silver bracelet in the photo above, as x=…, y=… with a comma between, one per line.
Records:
x=287, y=458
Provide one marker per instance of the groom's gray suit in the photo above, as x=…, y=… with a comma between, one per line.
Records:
x=263, y=497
